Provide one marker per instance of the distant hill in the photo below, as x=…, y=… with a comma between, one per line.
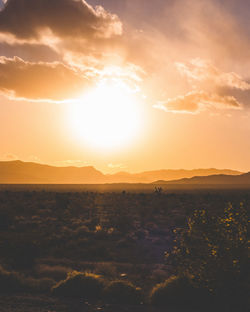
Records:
x=219, y=179
x=166, y=175
x=16, y=172
x=26, y=173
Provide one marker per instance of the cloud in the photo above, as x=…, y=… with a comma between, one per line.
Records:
x=44, y=34
x=39, y=81
x=177, y=31
x=116, y=166
x=70, y=28
x=91, y=38
x=204, y=71
x=29, y=52
x=69, y=163
x=29, y=19
x=33, y=158
x=197, y=101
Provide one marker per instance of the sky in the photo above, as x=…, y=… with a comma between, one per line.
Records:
x=126, y=85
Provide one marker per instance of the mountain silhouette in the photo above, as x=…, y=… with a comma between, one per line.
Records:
x=15, y=172
x=28, y=172
x=218, y=179
x=166, y=175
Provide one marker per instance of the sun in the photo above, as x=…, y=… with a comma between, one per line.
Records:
x=108, y=117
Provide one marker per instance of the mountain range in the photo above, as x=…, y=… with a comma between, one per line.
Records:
x=19, y=172
x=218, y=179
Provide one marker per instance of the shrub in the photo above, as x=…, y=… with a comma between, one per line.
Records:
x=21, y=254
x=82, y=230
x=233, y=294
x=213, y=249
x=10, y=282
x=79, y=285
x=122, y=292
x=13, y=282
x=178, y=292
x=107, y=270
x=6, y=219
x=43, y=285
x=57, y=272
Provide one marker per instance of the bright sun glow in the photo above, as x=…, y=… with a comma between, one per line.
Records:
x=107, y=117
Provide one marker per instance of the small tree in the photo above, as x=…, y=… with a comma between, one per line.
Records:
x=179, y=291
x=158, y=190
x=122, y=292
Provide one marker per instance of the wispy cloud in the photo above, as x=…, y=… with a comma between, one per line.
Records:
x=71, y=162
x=117, y=166
x=199, y=70
x=197, y=101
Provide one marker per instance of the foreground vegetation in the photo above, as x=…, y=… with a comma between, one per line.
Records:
x=147, y=250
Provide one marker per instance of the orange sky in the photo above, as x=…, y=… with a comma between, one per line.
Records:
x=126, y=85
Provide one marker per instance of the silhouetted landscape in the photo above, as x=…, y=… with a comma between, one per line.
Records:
x=71, y=249
x=124, y=155
x=218, y=179
x=18, y=172
x=122, y=246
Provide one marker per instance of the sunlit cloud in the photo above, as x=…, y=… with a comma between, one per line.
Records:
x=71, y=28
x=57, y=82
x=116, y=166
x=84, y=46
x=39, y=81
x=199, y=70
x=195, y=102
x=71, y=162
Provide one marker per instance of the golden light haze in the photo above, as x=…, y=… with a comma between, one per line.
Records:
x=108, y=117
x=126, y=85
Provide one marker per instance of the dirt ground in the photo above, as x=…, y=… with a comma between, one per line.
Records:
x=28, y=303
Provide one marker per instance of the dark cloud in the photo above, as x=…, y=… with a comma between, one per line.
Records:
x=27, y=19
x=29, y=52
x=39, y=81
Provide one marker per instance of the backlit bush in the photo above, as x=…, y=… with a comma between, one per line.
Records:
x=10, y=282
x=122, y=292
x=79, y=285
x=14, y=282
x=57, y=272
x=178, y=292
